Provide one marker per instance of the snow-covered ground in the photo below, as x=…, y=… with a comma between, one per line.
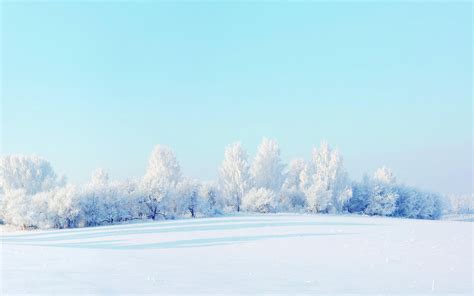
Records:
x=459, y=217
x=285, y=254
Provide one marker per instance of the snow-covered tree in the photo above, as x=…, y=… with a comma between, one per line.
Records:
x=360, y=198
x=91, y=204
x=189, y=199
x=235, y=175
x=431, y=206
x=381, y=195
x=99, y=177
x=384, y=195
x=293, y=176
x=292, y=197
x=261, y=200
x=131, y=199
x=56, y=208
x=93, y=199
x=408, y=202
x=112, y=205
x=31, y=173
x=382, y=201
x=384, y=175
x=103, y=203
x=17, y=208
x=212, y=198
x=460, y=204
x=325, y=181
x=267, y=167
x=163, y=168
x=63, y=206
x=160, y=181
x=26, y=175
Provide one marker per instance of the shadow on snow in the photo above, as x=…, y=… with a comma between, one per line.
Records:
x=66, y=238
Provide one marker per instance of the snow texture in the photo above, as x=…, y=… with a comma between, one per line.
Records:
x=272, y=253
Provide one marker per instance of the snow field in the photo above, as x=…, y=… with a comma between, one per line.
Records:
x=284, y=254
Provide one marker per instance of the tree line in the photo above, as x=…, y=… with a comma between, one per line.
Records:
x=33, y=196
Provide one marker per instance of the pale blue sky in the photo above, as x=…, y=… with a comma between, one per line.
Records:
x=91, y=85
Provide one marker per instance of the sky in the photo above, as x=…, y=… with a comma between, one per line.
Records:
x=98, y=84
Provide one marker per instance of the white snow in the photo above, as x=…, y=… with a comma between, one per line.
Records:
x=284, y=254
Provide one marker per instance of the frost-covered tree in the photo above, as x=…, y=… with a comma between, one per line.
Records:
x=261, y=200
x=93, y=199
x=25, y=175
x=460, y=204
x=131, y=199
x=408, y=203
x=163, y=168
x=384, y=196
x=56, y=208
x=431, y=206
x=361, y=192
x=292, y=197
x=103, y=201
x=189, y=199
x=384, y=175
x=381, y=195
x=293, y=176
x=234, y=175
x=213, y=203
x=382, y=201
x=17, y=208
x=99, y=177
x=92, y=207
x=267, y=167
x=160, y=181
x=63, y=206
x=325, y=181
x=112, y=205
x=31, y=173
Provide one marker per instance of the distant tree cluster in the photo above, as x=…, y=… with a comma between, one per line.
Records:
x=460, y=204
x=33, y=196
x=381, y=195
